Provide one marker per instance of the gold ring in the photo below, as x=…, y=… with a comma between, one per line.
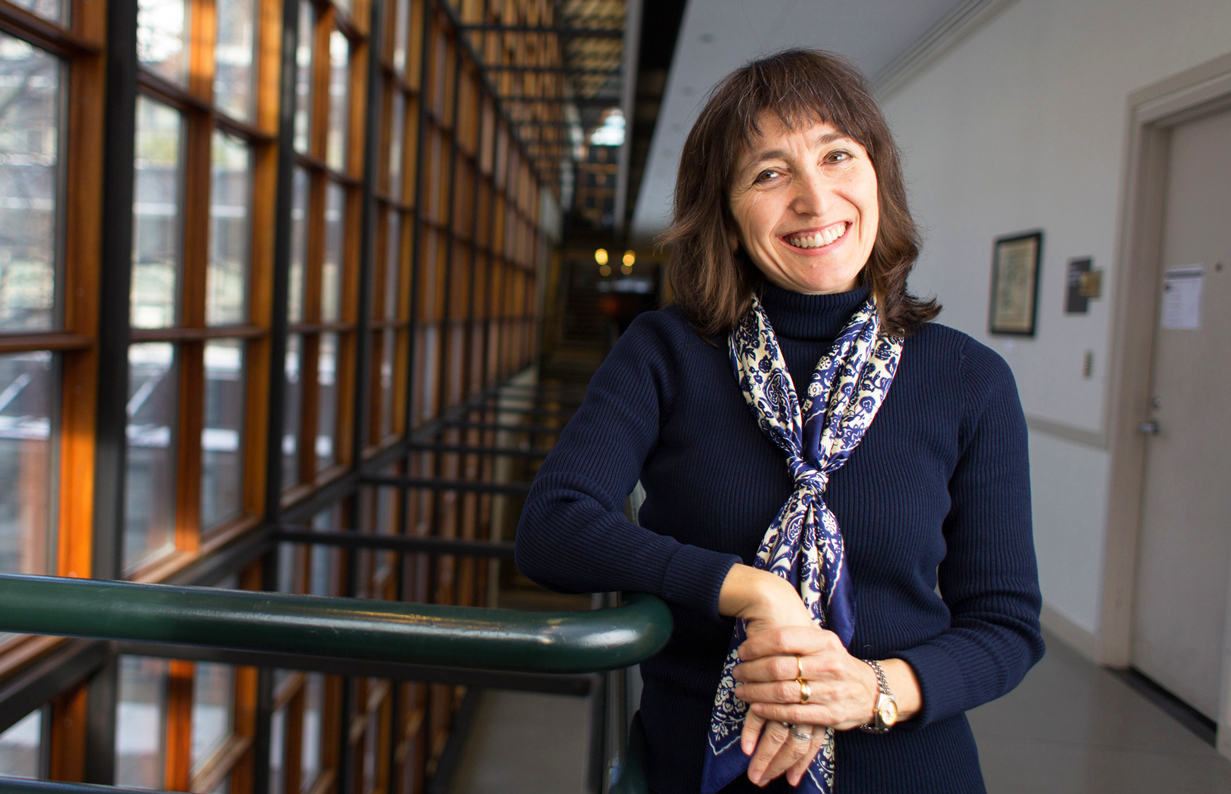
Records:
x=799, y=668
x=805, y=691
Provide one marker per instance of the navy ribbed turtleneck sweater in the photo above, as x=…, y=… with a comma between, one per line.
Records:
x=934, y=507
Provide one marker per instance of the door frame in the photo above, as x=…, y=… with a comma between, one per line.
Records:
x=1152, y=113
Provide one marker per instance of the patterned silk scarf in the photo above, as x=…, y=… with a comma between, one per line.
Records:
x=803, y=544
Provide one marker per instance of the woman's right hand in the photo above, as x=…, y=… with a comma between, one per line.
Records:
x=765, y=601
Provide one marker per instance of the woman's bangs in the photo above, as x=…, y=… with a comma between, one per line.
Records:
x=798, y=104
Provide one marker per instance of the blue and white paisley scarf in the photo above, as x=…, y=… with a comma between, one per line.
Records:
x=803, y=544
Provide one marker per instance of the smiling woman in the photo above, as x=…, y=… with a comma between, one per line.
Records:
x=827, y=571
x=804, y=204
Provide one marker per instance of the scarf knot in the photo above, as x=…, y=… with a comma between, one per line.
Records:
x=806, y=476
x=803, y=544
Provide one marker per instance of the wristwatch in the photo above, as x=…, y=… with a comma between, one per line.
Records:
x=885, y=712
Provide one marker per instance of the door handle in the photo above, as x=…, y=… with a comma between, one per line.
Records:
x=1148, y=428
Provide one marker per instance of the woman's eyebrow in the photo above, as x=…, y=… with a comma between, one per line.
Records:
x=781, y=154
x=829, y=137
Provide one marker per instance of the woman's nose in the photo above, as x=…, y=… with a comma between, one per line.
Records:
x=812, y=194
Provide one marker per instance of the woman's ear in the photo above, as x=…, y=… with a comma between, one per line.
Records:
x=733, y=239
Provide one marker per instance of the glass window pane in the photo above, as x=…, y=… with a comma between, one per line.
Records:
x=29, y=178
x=325, y=580
x=230, y=220
x=313, y=710
x=277, y=750
x=149, y=500
x=221, y=438
x=393, y=269
x=47, y=9
x=20, y=747
x=386, y=385
x=213, y=708
x=325, y=568
x=331, y=275
x=386, y=505
x=290, y=577
x=291, y=416
x=397, y=117
x=162, y=38
x=370, y=744
x=386, y=512
x=303, y=75
x=339, y=93
x=27, y=388
x=401, y=28
x=327, y=407
x=300, y=191
x=157, y=229
x=428, y=369
x=282, y=678
x=141, y=722
x=233, y=57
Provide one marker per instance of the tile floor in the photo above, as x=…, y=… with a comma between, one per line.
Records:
x=525, y=743
x=1074, y=728
x=1070, y=728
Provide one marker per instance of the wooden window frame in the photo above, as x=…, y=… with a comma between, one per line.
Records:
x=191, y=333
x=80, y=46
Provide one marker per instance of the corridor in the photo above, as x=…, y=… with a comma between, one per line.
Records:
x=298, y=296
x=1069, y=728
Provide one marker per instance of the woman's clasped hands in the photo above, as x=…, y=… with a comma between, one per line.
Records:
x=798, y=676
x=786, y=722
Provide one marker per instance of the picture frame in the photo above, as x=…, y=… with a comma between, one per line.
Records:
x=1015, y=283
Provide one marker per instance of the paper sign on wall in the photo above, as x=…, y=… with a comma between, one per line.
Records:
x=1182, y=297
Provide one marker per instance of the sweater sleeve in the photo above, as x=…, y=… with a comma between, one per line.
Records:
x=989, y=577
x=573, y=535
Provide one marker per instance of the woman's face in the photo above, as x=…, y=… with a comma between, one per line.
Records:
x=805, y=204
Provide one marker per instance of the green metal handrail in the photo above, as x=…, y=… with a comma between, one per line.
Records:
x=13, y=785
x=386, y=631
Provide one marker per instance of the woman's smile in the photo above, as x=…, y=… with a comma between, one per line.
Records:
x=805, y=204
x=814, y=241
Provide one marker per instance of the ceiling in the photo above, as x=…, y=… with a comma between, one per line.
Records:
x=718, y=36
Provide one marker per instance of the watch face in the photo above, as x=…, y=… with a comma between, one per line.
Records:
x=888, y=710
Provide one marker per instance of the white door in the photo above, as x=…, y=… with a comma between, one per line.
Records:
x=1184, y=552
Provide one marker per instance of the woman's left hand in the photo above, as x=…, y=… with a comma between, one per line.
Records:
x=842, y=688
x=781, y=749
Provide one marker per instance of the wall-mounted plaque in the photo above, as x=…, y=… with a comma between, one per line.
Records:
x=1015, y=283
x=1076, y=297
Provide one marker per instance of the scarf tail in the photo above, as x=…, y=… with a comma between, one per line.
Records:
x=804, y=542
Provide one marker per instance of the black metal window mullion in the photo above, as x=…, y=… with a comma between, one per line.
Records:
x=278, y=330
x=111, y=418
x=446, y=314
x=280, y=324
x=442, y=388
x=367, y=235
x=477, y=178
x=416, y=266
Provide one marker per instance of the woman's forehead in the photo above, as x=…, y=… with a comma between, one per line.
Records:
x=776, y=137
x=777, y=120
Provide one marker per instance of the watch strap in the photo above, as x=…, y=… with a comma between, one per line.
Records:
x=877, y=725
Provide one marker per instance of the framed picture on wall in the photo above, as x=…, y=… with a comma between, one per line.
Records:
x=1015, y=283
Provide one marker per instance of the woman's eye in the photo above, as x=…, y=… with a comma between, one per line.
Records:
x=766, y=175
x=838, y=157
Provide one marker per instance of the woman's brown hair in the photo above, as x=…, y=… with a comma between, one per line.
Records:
x=713, y=284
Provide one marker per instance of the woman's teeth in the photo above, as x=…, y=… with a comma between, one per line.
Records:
x=820, y=239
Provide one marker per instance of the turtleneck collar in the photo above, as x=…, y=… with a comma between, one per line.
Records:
x=813, y=317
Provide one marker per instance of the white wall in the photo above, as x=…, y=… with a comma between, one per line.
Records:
x=1022, y=126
